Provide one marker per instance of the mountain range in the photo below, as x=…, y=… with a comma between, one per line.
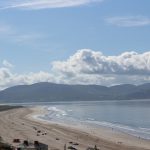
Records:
x=51, y=92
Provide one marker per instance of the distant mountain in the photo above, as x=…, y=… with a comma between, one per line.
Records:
x=48, y=92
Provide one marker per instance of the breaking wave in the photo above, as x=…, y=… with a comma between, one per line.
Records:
x=58, y=115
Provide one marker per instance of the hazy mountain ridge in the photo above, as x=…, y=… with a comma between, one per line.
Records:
x=48, y=92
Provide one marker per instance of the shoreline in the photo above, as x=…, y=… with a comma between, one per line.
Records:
x=75, y=102
x=19, y=123
x=90, y=124
x=105, y=131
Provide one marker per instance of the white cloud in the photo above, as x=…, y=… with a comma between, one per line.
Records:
x=129, y=21
x=7, y=64
x=8, y=78
x=42, y=4
x=4, y=73
x=92, y=67
x=86, y=67
x=86, y=61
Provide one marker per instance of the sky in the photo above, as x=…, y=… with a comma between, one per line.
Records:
x=104, y=42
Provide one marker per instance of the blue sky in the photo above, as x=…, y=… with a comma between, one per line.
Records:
x=36, y=33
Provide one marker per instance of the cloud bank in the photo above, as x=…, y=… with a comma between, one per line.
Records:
x=87, y=61
x=43, y=4
x=129, y=21
x=86, y=67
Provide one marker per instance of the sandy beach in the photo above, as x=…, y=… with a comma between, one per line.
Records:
x=19, y=123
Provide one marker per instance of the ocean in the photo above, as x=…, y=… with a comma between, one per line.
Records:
x=132, y=117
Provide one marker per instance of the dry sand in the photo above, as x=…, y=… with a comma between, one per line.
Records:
x=18, y=123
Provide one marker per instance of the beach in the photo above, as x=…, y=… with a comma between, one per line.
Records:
x=20, y=123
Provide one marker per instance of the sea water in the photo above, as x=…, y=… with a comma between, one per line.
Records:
x=132, y=117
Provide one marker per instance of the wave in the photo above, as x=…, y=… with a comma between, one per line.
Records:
x=61, y=116
x=56, y=110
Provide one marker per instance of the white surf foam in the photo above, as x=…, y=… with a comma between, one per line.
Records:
x=61, y=116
